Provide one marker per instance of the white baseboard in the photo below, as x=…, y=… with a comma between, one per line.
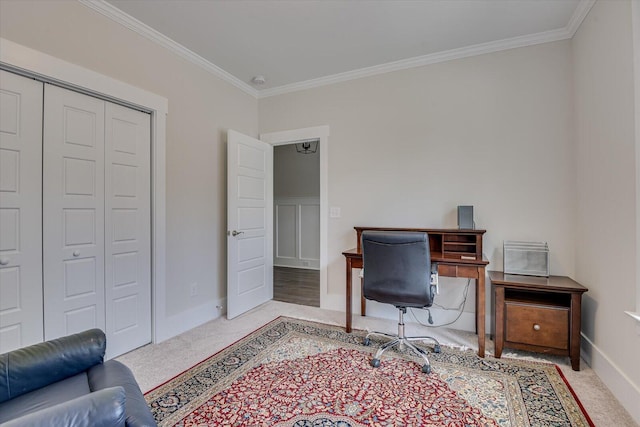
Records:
x=333, y=302
x=179, y=323
x=466, y=322
x=620, y=385
x=301, y=267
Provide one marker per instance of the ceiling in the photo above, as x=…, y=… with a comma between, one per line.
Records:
x=297, y=44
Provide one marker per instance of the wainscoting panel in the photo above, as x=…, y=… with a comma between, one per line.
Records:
x=286, y=236
x=297, y=232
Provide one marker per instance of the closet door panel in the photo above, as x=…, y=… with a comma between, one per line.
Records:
x=127, y=229
x=73, y=199
x=20, y=211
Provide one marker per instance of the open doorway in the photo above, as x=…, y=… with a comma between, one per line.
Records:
x=296, y=240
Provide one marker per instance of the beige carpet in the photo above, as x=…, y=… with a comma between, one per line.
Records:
x=157, y=363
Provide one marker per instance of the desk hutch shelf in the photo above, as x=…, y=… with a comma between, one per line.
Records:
x=445, y=244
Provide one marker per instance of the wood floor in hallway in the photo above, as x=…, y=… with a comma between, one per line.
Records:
x=296, y=285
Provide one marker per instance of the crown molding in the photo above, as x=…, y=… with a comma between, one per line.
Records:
x=583, y=8
x=578, y=16
x=115, y=14
x=144, y=30
x=419, y=61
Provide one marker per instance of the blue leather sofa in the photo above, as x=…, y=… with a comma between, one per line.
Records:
x=65, y=382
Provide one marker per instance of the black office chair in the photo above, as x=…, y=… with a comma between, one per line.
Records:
x=397, y=270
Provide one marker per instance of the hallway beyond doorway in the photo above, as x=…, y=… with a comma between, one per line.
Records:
x=296, y=285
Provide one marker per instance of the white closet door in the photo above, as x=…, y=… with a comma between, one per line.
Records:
x=20, y=211
x=127, y=229
x=73, y=199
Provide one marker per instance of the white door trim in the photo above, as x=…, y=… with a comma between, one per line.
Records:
x=21, y=58
x=321, y=133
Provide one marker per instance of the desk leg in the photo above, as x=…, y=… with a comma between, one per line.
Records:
x=477, y=309
x=363, y=302
x=481, y=306
x=348, y=298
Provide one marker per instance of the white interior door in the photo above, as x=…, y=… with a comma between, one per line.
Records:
x=127, y=229
x=249, y=223
x=20, y=212
x=73, y=199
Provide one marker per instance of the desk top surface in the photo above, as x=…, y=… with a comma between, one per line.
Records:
x=435, y=257
x=425, y=230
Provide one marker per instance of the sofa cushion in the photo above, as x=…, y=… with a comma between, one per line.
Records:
x=45, y=397
x=104, y=408
x=39, y=365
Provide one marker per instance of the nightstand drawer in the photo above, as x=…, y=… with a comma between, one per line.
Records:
x=545, y=326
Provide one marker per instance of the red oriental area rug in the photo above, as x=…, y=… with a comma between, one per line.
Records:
x=298, y=373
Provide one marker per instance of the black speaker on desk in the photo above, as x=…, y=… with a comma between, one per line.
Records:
x=465, y=218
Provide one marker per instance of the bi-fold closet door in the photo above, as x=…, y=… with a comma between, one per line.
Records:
x=20, y=211
x=95, y=240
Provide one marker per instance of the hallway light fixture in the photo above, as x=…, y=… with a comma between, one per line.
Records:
x=307, y=147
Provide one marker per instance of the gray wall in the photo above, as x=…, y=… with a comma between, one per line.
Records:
x=406, y=148
x=295, y=174
x=605, y=145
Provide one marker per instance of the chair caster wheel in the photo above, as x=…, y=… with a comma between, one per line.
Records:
x=375, y=362
x=366, y=341
x=436, y=349
x=426, y=369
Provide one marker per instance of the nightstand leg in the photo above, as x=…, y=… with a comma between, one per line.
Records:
x=574, y=331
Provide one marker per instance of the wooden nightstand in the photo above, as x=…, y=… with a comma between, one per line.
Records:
x=539, y=314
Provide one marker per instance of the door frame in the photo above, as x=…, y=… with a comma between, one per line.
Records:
x=320, y=133
x=32, y=63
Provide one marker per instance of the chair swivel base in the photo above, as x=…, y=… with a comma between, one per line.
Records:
x=402, y=340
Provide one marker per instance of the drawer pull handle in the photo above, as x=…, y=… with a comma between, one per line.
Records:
x=536, y=327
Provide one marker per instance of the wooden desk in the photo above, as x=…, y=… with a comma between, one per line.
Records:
x=538, y=314
x=458, y=253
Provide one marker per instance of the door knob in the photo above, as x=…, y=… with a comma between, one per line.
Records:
x=4, y=261
x=234, y=233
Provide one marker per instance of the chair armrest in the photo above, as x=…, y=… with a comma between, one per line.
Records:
x=104, y=408
x=39, y=365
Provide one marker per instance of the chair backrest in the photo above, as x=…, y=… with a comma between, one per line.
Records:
x=397, y=268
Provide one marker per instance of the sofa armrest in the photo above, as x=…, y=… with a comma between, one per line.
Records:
x=113, y=373
x=104, y=408
x=39, y=365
